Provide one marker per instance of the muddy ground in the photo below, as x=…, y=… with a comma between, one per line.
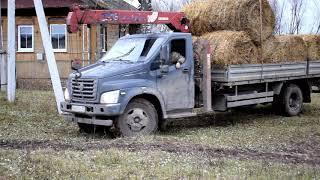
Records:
x=35, y=142
x=307, y=153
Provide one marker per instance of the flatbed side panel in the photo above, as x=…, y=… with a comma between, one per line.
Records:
x=314, y=67
x=259, y=72
x=284, y=70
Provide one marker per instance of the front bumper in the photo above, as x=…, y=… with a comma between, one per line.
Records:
x=92, y=109
x=72, y=118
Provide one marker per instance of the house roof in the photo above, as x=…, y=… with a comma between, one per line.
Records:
x=100, y=4
x=109, y=4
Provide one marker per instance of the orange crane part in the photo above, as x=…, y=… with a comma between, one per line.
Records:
x=176, y=21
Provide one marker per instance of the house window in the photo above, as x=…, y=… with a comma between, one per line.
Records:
x=103, y=38
x=59, y=37
x=25, y=38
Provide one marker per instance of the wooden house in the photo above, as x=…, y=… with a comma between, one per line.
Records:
x=31, y=67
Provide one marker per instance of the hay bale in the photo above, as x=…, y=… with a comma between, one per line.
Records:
x=279, y=49
x=231, y=48
x=236, y=15
x=313, y=44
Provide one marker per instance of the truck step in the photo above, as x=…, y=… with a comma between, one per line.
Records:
x=181, y=115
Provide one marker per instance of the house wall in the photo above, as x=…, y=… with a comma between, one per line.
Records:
x=33, y=73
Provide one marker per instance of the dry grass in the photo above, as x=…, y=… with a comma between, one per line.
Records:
x=284, y=49
x=313, y=44
x=230, y=47
x=33, y=119
x=234, y=15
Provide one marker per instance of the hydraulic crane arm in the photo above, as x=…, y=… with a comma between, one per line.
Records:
x=176, y=21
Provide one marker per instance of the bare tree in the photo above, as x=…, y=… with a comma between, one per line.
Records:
x=297, y=10
x=279, y=9
x=316, y=27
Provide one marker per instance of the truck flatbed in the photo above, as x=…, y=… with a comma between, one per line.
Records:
x=260, y=73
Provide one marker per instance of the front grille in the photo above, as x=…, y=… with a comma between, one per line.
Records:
x=84, y=90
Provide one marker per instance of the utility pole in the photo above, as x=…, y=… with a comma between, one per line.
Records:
x=11, y=88
x=3, y=63
x=52, y=65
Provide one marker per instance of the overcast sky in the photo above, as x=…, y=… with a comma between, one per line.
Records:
x=310, y=19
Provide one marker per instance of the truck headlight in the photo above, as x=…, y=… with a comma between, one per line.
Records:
x=111, y=97
x=66, y=94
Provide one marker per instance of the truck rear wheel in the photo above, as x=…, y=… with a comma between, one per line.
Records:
x=139, y=118
x=292, y=100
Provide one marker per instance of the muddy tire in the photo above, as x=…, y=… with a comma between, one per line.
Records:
x=139, y=118
x=291, y=101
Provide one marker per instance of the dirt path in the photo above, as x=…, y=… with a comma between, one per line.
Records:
x=294, y=156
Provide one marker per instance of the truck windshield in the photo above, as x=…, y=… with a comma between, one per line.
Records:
x=129, y=50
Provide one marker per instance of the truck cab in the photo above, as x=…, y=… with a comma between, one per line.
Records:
x=142, y=80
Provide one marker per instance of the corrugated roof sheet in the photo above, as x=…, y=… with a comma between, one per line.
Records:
x=108, y=4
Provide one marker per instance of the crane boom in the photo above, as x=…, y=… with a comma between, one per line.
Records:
x=176, y=21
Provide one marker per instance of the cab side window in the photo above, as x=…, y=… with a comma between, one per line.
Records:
x=177, y=51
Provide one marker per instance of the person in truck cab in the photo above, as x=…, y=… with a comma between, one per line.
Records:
x=177, y=59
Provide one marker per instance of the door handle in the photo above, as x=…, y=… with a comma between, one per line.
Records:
x=185, y=70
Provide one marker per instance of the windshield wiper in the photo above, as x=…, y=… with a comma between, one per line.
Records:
x=122, y=60
x=123, y=55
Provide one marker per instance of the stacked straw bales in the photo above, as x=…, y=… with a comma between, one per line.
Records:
x=233, y=28
x=234, y=15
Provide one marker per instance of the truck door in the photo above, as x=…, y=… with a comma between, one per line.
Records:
x=176, y=83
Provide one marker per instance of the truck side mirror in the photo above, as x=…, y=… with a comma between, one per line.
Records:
x=164, y=69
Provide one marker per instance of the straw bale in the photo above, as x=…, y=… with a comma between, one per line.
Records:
x=231, y=48
x=313, y=44
x=279, y=49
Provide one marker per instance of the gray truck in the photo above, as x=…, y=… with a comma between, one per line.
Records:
x=138, y=85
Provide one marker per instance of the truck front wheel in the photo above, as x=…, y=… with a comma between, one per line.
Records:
x=292, y=100
x=139, y=118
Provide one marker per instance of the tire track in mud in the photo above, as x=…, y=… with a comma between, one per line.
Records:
x=285, y=156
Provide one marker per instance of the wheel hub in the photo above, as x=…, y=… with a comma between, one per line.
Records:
x=294, y=101
x=137, y=119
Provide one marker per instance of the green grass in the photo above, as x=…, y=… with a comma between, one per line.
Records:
x=33, y=118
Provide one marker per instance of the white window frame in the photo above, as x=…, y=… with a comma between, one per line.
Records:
x=19, y=39
x=66, y=38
